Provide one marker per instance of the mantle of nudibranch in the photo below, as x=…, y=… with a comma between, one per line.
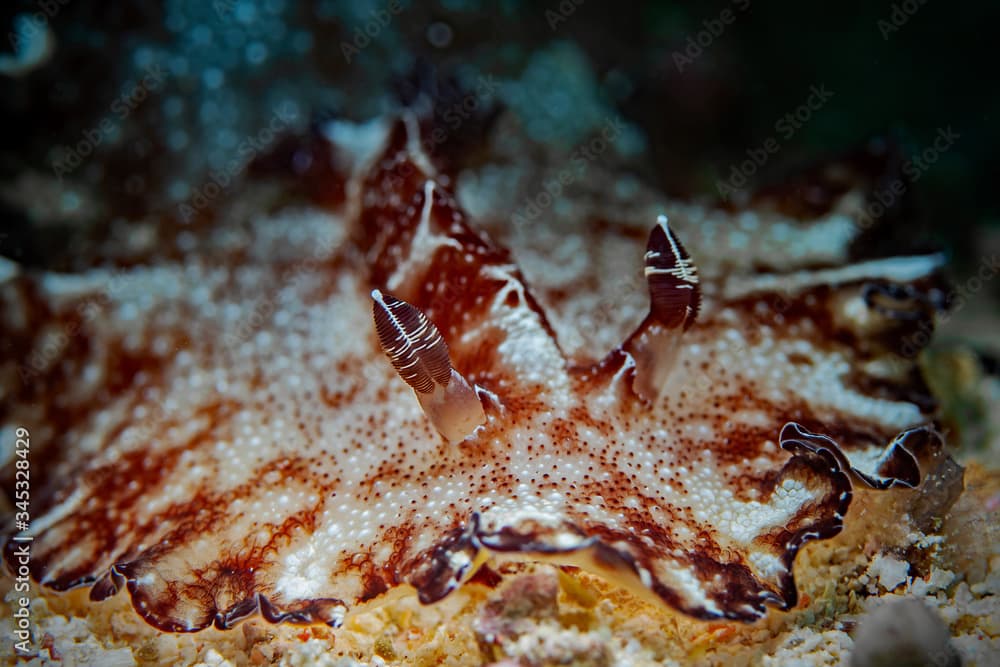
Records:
x=229, y=439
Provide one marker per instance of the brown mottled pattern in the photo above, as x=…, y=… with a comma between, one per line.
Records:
x=226, y=438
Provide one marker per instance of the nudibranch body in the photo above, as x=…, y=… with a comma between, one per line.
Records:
x=236, y=442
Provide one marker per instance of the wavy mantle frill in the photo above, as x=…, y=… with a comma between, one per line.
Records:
x=223, y=436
